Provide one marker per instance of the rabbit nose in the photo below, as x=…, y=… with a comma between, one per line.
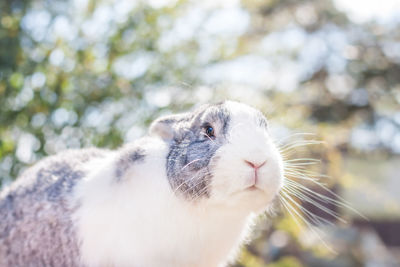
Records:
x=255, y=165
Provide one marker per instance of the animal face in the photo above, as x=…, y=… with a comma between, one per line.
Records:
x=222, y=154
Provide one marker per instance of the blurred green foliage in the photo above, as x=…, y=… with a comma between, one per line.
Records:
x=96, y=73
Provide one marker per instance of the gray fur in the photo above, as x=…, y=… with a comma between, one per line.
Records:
x=191, y=151
x=262, y=121
x=36, y=228
x=129, y=156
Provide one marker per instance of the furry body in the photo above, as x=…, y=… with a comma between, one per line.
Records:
x=36, y=226
x=179, y=197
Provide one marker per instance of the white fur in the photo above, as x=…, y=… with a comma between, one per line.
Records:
x=140, y=222
x=247, y=141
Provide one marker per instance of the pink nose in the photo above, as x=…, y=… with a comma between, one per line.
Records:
x=255, y=165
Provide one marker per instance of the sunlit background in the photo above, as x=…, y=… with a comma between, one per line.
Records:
x=83, y=73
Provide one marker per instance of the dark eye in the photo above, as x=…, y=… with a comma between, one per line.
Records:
x=210, y=131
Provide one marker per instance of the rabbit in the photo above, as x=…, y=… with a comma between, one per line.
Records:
x=183, y=195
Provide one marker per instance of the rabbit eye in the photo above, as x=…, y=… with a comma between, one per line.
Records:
x=210, y=131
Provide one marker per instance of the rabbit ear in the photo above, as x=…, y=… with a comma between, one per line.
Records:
x=166, y=126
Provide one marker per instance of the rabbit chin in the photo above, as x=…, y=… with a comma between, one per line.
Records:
x=251, y=199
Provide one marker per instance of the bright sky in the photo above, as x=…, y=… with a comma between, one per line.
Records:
x=364, y=10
